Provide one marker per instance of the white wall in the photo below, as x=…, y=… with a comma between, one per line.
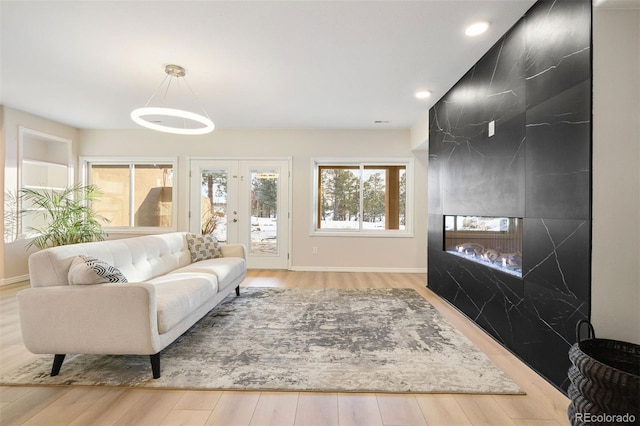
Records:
x=15, y=253
x=420, y=134
x=615, y=292
x=334, y=253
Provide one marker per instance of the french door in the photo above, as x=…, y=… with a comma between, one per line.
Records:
x=244, y=201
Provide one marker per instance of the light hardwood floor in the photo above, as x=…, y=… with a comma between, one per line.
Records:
x=75, y=405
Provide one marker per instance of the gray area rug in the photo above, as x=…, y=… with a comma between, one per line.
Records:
x=345, y=340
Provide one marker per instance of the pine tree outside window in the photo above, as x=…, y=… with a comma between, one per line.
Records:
x=362, y=197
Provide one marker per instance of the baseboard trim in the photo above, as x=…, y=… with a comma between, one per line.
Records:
x=358, y=269
x=14, y=280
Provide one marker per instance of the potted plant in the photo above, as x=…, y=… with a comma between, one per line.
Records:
x=66, y=213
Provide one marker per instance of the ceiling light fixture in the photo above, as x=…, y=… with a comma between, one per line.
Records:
x=423, y=94
x=172, y=120
x=476, y=29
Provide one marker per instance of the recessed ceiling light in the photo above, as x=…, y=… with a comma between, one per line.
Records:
x=476, y=29
x=422, y=94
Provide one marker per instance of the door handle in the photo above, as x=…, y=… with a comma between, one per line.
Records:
x=235, y=220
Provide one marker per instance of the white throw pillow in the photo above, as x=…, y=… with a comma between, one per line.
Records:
x=89, y=270
x=203, y=247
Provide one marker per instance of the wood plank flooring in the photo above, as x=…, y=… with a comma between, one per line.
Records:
x=76, y=405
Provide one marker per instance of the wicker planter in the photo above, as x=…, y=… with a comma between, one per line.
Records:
x=605, y=377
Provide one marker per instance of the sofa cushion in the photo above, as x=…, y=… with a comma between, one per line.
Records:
x=179, y=295
x=138, y=258
x=203, y=247
x=89, y=270
x=227, y=269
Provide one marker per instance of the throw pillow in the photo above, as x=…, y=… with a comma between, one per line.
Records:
x=203, y=247
x=89, y=270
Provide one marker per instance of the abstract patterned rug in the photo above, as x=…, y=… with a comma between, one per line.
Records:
x=343, y=340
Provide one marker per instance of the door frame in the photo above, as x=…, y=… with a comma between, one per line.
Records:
x=289, y=160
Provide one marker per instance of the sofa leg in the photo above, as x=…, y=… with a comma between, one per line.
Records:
x=57, y=364
x=155, y=365
x=238, y=291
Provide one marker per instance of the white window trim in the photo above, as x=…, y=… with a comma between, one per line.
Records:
x=387, y=233
x=84, y=170
x=24, y=133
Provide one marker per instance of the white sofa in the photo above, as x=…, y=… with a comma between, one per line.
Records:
x=165, y=295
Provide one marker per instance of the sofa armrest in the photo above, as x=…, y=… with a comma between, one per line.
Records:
x=233, y=250
x=101, y=318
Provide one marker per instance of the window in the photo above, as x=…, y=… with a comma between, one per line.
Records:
x=363, y=197
x=44, y=165
x=136, y=193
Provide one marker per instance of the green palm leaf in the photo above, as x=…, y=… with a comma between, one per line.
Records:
x=67, y=215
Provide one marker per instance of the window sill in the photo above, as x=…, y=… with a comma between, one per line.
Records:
x=137, y=230
x=363, y=234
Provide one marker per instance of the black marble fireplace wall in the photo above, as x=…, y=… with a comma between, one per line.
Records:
x=535, y=85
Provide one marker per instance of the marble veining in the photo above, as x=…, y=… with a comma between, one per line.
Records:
x=553, y=67
x=535, y=83
x=554, y=254
x=551, y=327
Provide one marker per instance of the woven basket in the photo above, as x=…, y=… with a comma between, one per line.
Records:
x=611, y=400
x=582, y=404
x=571, y=412
x=579, y=405
x=605, y=376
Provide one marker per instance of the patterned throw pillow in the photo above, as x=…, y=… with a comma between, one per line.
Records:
x=89, y=270
x=203, y=247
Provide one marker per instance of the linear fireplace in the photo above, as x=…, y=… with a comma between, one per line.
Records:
x=492, y=241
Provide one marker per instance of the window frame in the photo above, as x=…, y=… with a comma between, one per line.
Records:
x=86, y=164
x=62, y=161
x=319, y=163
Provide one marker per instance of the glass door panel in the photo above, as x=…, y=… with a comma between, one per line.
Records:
x=244, y=201
x=264, y=212
x=214, y=212
x=214, y=199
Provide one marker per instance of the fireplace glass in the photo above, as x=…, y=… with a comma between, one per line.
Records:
x=492, y=241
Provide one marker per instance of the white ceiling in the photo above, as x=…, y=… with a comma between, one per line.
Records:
x=252, y=64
